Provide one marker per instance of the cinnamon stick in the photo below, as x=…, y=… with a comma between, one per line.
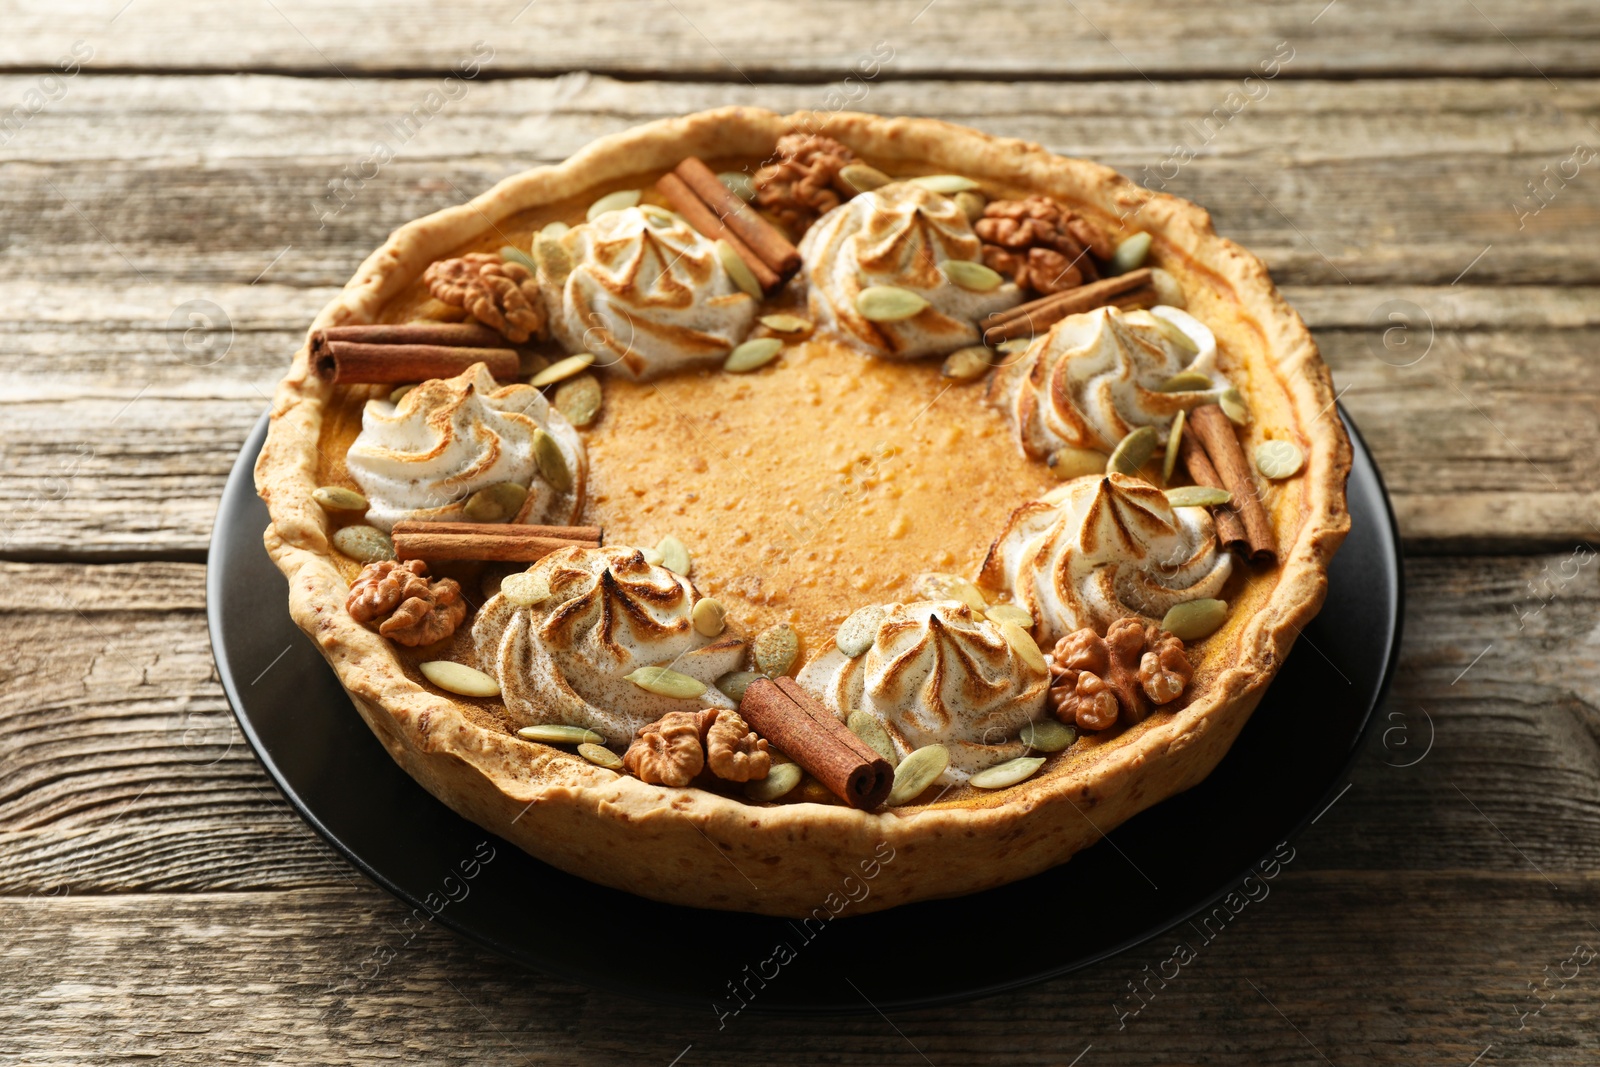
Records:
x=1215, y=433
x=489, y=543
x=566, y=533
x=351, y=362
x=1230, y=531
x=811, y=735
x=683, y=200
x=1129, y=290
x=762, y=237
x=451, y=334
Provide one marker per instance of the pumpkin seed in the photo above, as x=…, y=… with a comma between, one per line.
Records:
x=776, y=649
x=1004, y=613
x=1169, y=462
x=552, y=464
x=399, y=392
x=365, y=544
x=917, y=772
x=1169, y=290
x=1009, y=773
x=1130, y=253
x=967, y=364
x=739, y=184
x=752, y=355
x=651, y=556
x=888, y=303
x=657, y=215
x=554, y=229
x=1194, y=619
x=674, y=556
x=495, y=503
x=785, y=323
x=937, y=586
x=780, y=780
x=871, y=731
x=665, y=682
x=1023, y=644
x=600, y=756
x=622, y=198
x=738, y=270
x=525, y=589
x=1047, y=735
x=971, y=202
x=1279, y=459
x=1174, y=333
x=733, y=684
x=1187, y=381
x=579, y=399
x=860, y=631
x=1016, y=344
x=1197, y=496
x=513, y=254
x=862, y=177
x=458, y=678
x=709, y=617
x=562, y=369
x=1134, y=451
x=555, y=262
x=948, y=184
x=1072, y=462
x=969, y=275
x=554, y=733
x=1232, y=403
x=338, y=498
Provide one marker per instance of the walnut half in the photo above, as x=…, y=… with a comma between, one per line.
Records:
x=498, y=293
x=799, y=186
x=415, y=611
x=1101, y=680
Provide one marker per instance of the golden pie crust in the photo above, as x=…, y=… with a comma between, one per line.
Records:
x=701, y=848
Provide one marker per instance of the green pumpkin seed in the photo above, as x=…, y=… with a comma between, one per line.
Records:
x=1023, y=644
x=1197, y=496
x=1232, y=403
x=513, y=254
x=917, y=772
x=871, y=731
x=1003, y=613
x=971, y=202
x=562, y=369
x=458, y=678
x=948, y=184
x=552, y=464
x=664, y=682
x=496, y=503
x=658, y=216
x=1130, y=253
x=1047, y=735
x=936, y=586
x=1072, y=462
x=785, y=323
x=752, y=355
x=739, y=184
x=525, y=589
x=1169, y=290
x=888, y=303
x=733, y=684
x=1009, y=773
x=579, y=399
x=1195, y=619
x=601, y=756
x=399, y=392
x=738, y=270
x=1016, y=344
x=780, y=780
x=1174, y=333
x=1186, y=381
x=554, y=229
x=776, y=649
x=1134, y=450
x=709, y=617
x=862, y=177
x=338, y=498
x=967, y=364
x=622, y=198
x=858, y=633
x=651, y=556
x=1169, y=462
x=1279, y=459
x=969, y=275
x=674, y=556
x=365, y=544
x=554, y=733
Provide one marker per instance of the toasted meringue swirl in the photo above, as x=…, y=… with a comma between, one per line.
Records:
x=449, y=437
x=936, y=675
x=898, y=235
x=608, y=612
x=644, y=291
x=1103, y=548
x=1094, y=377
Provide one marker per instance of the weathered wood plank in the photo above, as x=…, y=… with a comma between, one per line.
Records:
x=824, y=39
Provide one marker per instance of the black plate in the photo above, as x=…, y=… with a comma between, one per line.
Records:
x=1154, y=871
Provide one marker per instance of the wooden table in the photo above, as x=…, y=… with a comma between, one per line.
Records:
x=167, y=231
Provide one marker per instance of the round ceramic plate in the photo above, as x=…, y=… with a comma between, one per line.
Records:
x=1151, y=873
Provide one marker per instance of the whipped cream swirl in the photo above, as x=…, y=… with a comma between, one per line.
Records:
x=1099, y=549
x=1095, y=377
x=898, y=235
x=935, y=675
x=566, y=658
x=422, y=458
x=644, y=291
